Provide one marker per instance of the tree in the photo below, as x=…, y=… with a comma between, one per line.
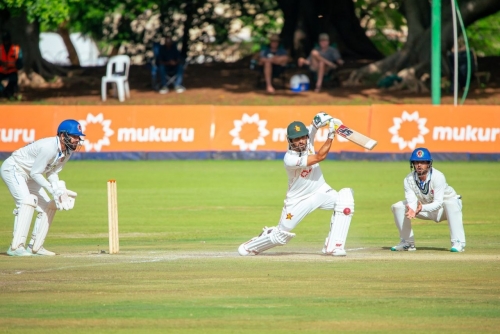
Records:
x=413, y=60
x=23, y=18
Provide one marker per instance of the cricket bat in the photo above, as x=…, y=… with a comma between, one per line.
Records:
x=356, y=137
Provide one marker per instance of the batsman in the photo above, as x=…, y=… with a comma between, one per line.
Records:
x=30, y=173
x=307, y=191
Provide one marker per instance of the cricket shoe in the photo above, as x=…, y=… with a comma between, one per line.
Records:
x=243, y=251
x=339, y=252
x=404, y=246
x=19, y=251
x=41, y=252
x=457, y=246
x=335, y=252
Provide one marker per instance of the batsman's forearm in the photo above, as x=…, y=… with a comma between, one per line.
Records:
x=323, y=151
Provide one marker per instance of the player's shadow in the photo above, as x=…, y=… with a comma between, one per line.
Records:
x=425, y=248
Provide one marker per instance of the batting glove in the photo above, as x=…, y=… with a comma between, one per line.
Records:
x=321, y=119
x=332, y=127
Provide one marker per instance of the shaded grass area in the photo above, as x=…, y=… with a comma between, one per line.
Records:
x=178, y=271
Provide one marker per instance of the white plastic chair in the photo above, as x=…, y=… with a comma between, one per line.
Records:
x=117, y=73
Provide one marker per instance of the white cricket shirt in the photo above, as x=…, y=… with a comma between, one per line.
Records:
x=43, y=156
x=430, y=193
x=303, y=180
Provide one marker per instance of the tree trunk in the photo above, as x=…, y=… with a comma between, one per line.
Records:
x=65, y=34
x=337, y=18
x=27, y=35
x=414, y=60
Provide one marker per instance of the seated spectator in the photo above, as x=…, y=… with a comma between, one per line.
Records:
x=170, y=62
x=11, y=61
x=272, y=61
x=322, y=60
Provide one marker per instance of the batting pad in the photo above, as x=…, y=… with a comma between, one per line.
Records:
x=341, y=220
x=23, y=221
x=269, y=238
x=42, y=225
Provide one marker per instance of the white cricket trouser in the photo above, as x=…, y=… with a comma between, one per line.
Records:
x=21, y=185
x=451, y=212
x=293, y=212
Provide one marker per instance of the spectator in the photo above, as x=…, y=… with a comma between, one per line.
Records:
x=11, y=61
x=273, y=60
x=170, y=62
x=322, y=60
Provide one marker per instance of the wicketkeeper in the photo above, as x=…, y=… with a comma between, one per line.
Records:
x=428, y=197
x=307, y=191
x=23, y=173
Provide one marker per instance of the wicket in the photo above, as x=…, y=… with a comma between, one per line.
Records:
x=114, y=242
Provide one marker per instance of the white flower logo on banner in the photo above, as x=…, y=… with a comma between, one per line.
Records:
x=107, y=132
x=407, y=117
x=246, y=119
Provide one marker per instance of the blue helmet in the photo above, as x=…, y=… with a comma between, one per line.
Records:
x=421, y=154
x=70, y=127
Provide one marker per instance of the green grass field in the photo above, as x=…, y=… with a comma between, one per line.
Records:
x=178, y=270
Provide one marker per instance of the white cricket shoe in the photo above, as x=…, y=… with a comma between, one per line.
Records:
x=339, y=252
x=41, y=252
x=457, y=246
x=19, y=251
x=335, y=252
x=243, y=251
x=404, y=246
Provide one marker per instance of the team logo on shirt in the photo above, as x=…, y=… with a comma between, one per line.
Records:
x=289, y=216
x=305, y=172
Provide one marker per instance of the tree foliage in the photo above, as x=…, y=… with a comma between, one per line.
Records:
x=49, y=12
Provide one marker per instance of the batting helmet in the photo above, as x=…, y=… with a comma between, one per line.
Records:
x=421, y=154
x=70, y=127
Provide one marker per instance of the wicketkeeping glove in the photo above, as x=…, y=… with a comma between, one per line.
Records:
x=321, y=119
x=57, y=193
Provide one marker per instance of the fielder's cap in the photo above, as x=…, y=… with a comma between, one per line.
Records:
x=274, y=38
x=296, y=129
x=324, y=37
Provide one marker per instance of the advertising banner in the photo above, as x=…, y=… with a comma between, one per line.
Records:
x=208, y=128
x=257, y=128
x=402, y=128
x=112, y=128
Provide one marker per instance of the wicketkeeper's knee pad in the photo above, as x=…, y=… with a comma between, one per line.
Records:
x=269, y=238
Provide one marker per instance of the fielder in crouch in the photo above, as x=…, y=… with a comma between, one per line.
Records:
x=307, y=191
x=23, y=173
x=428, y=197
